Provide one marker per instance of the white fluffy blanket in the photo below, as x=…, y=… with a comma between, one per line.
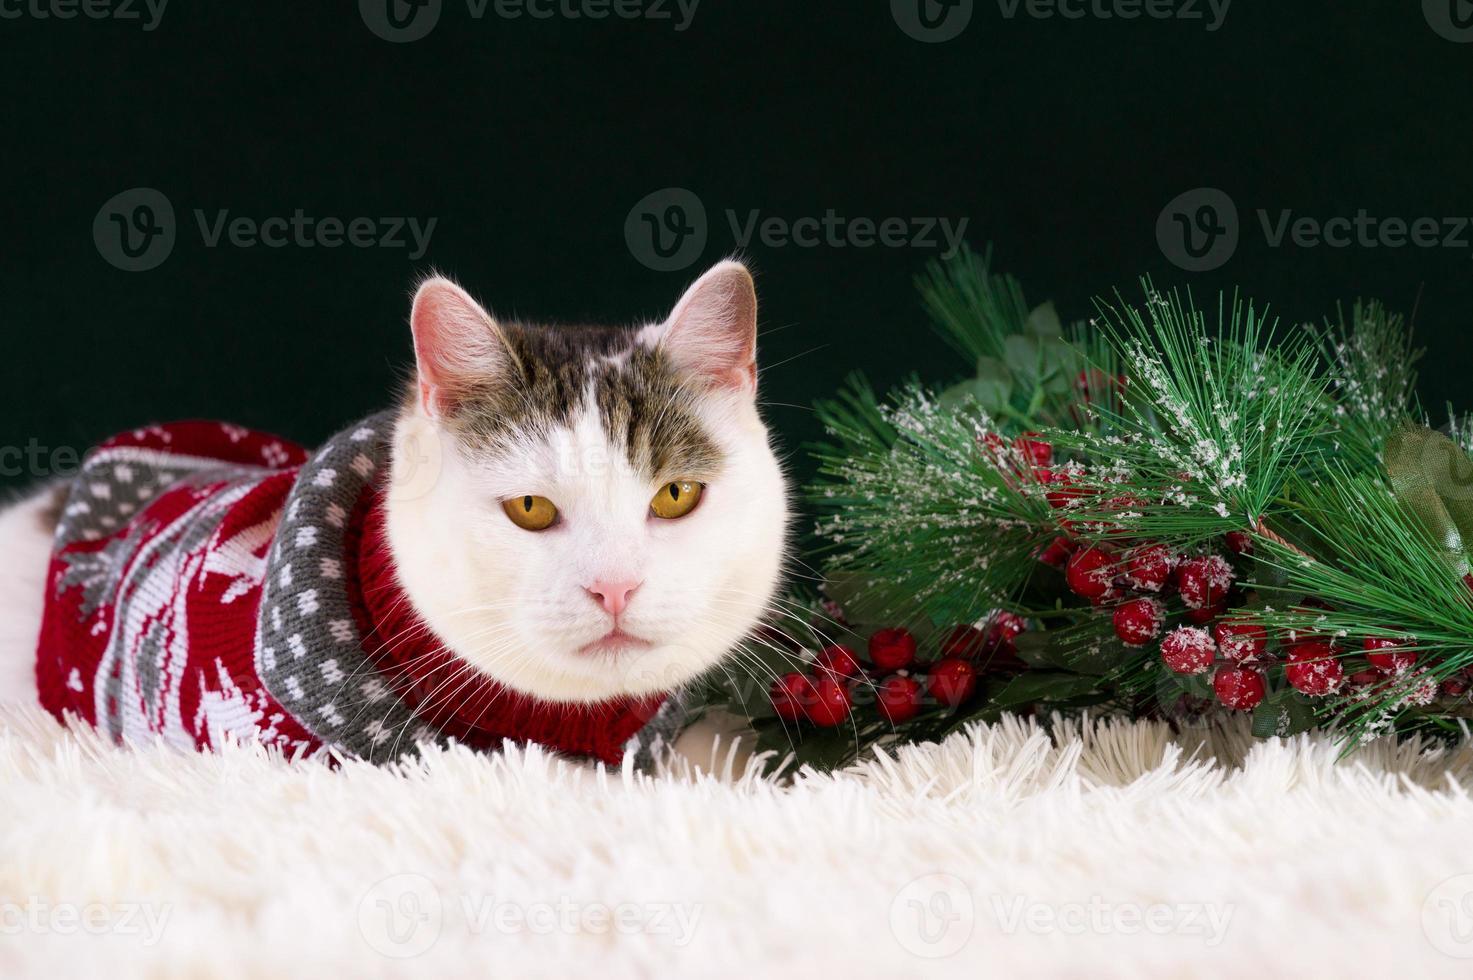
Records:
x=1107, y=850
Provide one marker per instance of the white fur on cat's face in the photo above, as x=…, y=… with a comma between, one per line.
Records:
x=518, y=604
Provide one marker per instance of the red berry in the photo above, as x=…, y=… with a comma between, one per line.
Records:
x=899, y=698
x=832, y=702
x=1090, y=572
x=1387, y=654
x=1421, y=692
x=1204, y=581
x=1148, y=567
x=1454, y=687
x=837, y=660
x=1313, y=668
x=1139, y=621
x=791, y=694
x=951, y=681
x=1364, y=678
x=963, y=642
x=892, y=649
x=1056, y=555
x=1188, y=650
x=1239, y=640
x=1240, y=542
x=1240, y=688
x=1205, y=615
x=1066, y=492
x=1035, y=451
x=1005, y=625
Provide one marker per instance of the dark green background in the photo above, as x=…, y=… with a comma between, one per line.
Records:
x=530, y=141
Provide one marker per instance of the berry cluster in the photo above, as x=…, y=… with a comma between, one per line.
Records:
x=1137, y=582
x=892, y=673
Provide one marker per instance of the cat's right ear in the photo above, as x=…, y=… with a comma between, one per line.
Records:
x=457, y=345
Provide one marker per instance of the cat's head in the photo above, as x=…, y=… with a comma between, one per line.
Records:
x=587, y=512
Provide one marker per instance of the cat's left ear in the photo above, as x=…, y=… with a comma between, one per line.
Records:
x=457, y=346
x=712, y=333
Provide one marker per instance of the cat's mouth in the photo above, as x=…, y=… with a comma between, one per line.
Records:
x=616, y=641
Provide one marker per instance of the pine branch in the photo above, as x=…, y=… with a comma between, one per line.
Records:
x=1384, y=575
x=1372, y=367
x=1214, y=422
x=974, y=310
x=946, y=516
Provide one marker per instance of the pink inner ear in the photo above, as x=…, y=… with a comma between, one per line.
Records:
x=455, y=342
x=713, y=330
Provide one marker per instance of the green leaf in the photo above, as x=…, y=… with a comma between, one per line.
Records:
x=1044, y=322
x=1041, y=685
x=1022, y=354
x=1433, y=479
x=990, y=394
x=1060, y=364
x=1283, y=714
x=992, y=369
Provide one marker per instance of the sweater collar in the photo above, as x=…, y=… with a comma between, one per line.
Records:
x=446, y=693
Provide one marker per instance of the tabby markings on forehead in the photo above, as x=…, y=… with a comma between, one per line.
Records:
x=643, y=405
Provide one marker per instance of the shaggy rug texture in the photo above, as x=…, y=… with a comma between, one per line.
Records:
x=1088, y=849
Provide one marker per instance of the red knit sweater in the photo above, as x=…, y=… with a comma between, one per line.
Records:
x=209, y=582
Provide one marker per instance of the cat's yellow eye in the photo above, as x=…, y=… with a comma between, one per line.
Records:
x=531, y=513
x=676, y=499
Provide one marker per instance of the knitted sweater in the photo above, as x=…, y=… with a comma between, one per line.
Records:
x=208, y=582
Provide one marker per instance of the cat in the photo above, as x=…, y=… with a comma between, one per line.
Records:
x=573, y=516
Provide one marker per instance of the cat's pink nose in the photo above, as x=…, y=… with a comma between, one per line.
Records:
x=613, y=596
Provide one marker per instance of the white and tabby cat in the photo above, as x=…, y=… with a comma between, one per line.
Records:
x=578, y=514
